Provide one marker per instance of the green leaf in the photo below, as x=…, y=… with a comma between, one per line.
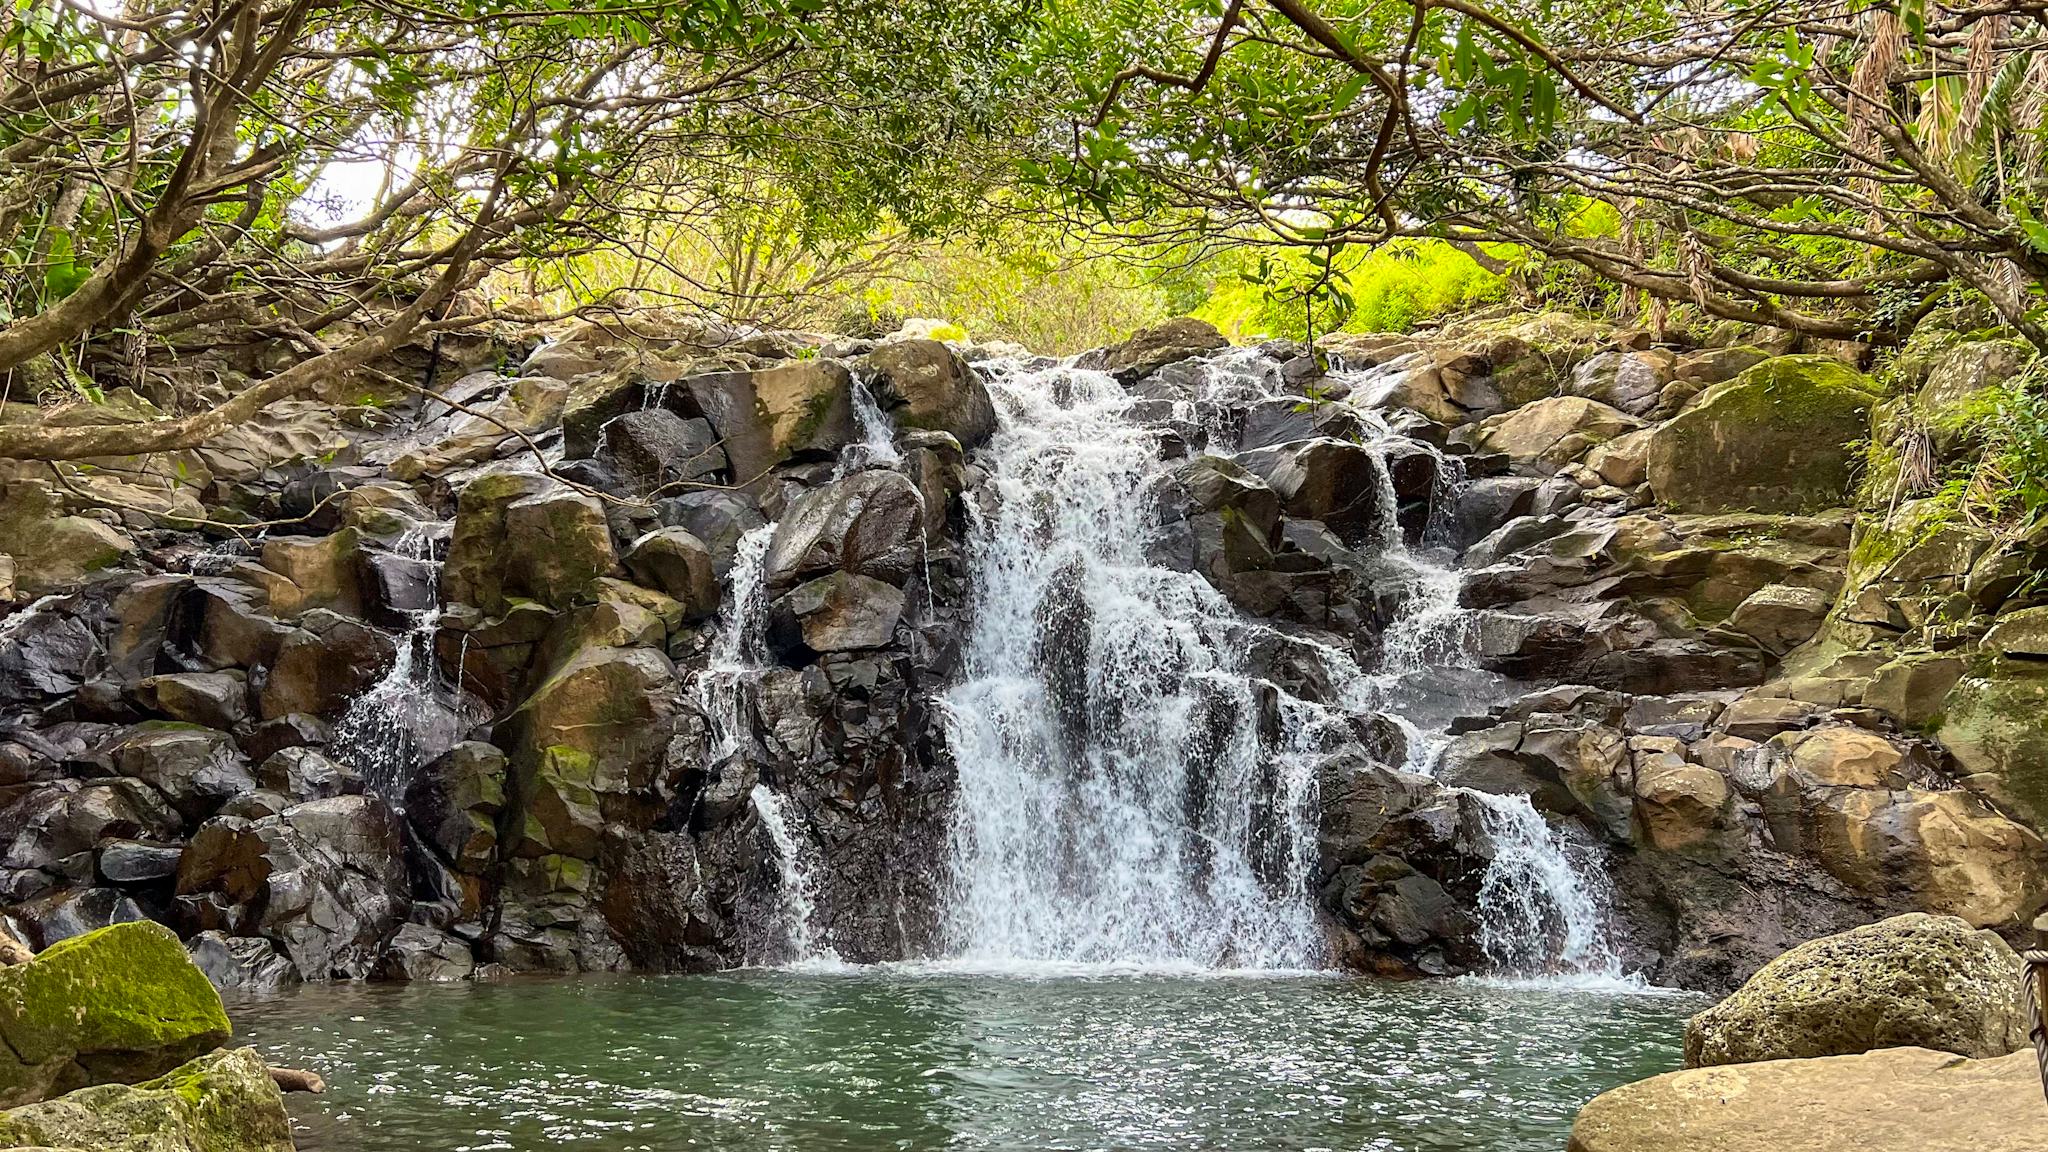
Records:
x=63, y=275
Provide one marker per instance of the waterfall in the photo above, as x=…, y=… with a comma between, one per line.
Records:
x=797, y=901
x=1117, y=802
x=876, y=447
x=724, y=694
x=389, y=730
x=1542, y=913
x=20, y=618
x=723, y=689
x=1543, y=902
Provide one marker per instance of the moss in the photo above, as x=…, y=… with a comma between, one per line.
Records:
x=563, y=764
x=105, y=1004
x=1995, y=723
x=1778, y=438
x=223, y=1101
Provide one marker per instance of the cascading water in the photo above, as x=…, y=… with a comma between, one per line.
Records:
x=387, y=730
x=724, y=688
x=798, y=903
x=876, y=447
x=724, y=693
x=1543, y=900
x=1542, y=909
x=1117, y=803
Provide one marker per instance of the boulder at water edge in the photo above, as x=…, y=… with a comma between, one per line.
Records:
x=121, y=1003
x=221, y=1102
x=1896, y=1100
x=1918, y=980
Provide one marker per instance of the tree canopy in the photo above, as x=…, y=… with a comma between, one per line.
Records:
x=170, y=169
x=326, y=180
x=1837, y=170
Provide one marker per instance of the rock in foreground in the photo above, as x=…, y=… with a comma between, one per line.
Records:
x=122, y=1003
x=1913, y=980
x=1896, y=1100
x=224, y=1101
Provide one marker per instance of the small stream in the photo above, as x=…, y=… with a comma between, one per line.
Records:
x=915, y=1058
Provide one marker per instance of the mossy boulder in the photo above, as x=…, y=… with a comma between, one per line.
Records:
x=474, y=572
x=119, y=1004
x=52, y=551
x=221, y=1102
x=1778, y=438
x=1918, y=980
x=1958, y=373
x=522, y=536
x=615, y=704
x=1996, y=726
x=559, y=545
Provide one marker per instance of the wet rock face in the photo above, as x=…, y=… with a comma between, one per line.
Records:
x=325, y=879
x=1773, y=718
x=870, y=524
x=654, y=448
x=1341, y=485
x=1400, y=868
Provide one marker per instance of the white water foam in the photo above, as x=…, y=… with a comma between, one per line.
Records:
x=724, y=689
x=389, y=729
x=798, y=902
x=1117, y=803
x=876, y=447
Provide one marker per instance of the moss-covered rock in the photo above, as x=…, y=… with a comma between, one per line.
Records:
x=616, y=704
x=1775, y=439
x=1996, y=726
x=557, y=545
x=121, y=1003
x=523, y=536
x=474, y=573
x=1914, y=686
x=51, y=550
x=221, y=1102
x=1928, y=981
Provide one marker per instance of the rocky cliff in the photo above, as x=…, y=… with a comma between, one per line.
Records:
x=576, y=663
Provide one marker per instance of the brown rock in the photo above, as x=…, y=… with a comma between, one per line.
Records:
x=1904, y=1099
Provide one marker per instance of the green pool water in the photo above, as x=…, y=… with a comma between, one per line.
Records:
x=874, y=1059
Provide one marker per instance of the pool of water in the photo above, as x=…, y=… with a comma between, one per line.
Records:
x=889, y=1058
